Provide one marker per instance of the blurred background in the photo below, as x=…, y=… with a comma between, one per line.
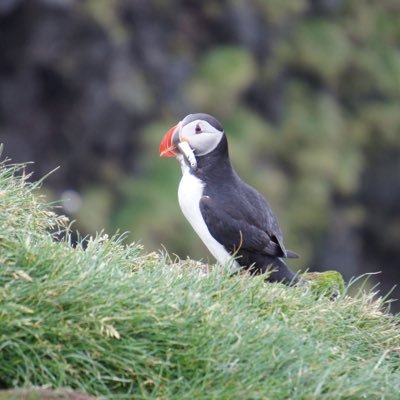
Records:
x=308, y=92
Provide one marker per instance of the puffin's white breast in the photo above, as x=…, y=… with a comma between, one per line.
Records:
x=189, y=194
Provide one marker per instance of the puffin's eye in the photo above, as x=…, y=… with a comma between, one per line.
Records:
x=197, y=129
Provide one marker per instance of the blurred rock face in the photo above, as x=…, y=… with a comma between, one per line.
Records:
x=308, y=93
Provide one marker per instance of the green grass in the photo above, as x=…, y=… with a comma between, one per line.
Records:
x=114, y=321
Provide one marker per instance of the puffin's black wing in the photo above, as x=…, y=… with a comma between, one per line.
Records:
x=236, y=227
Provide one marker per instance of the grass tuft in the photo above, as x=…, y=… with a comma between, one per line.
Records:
x=113, y=321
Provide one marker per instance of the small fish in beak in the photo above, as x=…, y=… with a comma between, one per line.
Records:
x=187, y=152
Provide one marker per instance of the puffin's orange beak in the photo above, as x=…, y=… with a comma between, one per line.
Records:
x=167, y=146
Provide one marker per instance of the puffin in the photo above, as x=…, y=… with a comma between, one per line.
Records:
x=234, y=221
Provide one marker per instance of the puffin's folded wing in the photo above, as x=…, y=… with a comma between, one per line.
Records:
x=230, y=227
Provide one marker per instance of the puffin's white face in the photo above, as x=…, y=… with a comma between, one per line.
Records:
x=202, y=137
x=201, y=131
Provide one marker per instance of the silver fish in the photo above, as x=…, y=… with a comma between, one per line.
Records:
x=187, y=152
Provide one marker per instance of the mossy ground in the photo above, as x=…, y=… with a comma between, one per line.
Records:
x=110, y=320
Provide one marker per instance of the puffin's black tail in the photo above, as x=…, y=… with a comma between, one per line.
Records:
x=291, y=254
x=282, y=273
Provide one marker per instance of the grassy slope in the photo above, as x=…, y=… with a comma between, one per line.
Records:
x=113, y=321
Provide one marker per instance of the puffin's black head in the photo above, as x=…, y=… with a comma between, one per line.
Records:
x=202, y=131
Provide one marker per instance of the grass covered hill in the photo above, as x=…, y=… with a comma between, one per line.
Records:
x=113, y=321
